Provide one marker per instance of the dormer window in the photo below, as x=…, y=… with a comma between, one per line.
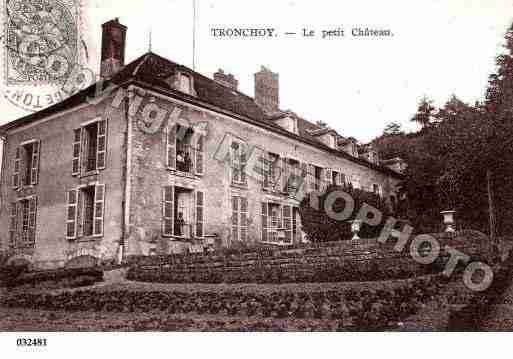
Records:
x=289, y=123
x=185, y=83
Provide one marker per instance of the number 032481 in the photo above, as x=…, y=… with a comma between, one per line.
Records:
x=31, y=342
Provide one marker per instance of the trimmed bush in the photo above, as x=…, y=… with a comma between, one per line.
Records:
x=322, y=228
x=34, y=278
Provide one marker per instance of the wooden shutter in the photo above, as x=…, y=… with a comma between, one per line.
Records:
x=101, y=145
x=265, y=163
x=200, y=156
x=243, y=220
x=235, y=218
x=171, y=147
x=264, y=222
x=235, y=160
x=34, y=171
x=99, y=209
x=311, y=178
x=284, y=174
x=71, y=214
x=77, y=151
x=16, y=180
x=13, y=225
x=342, y=179
x=243, y=160
x=287, y=223
x=32, y=221
x=168, y=222
x=327, y=178
x=200, y=213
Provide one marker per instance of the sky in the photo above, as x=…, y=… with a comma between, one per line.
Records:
x=355, y=85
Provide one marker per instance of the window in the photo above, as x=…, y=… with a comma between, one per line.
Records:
x=183, y=148
x=239, y=218
x=26, y=164
x=335, y=178
x=178, y=206
x=22, y=225
x=279, y=224
x=271, y=170
x=314, y=178
x=89, y=148
x=238, y=163
x=185, y=83
x=85, y=211
x=294, y=174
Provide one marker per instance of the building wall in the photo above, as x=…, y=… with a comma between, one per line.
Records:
x=56, y=135
x=148, y=174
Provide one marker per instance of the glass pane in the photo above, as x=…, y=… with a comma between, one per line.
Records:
x=72, y=197
x=98, y=226
x=70, y=231
x=71, y=213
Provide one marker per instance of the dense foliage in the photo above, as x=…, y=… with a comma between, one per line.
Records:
x=320, y=227
x=459, y=151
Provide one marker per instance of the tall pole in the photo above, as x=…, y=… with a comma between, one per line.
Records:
x=194, y=35
x=491, y=208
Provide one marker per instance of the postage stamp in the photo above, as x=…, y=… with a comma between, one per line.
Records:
x=41, y=48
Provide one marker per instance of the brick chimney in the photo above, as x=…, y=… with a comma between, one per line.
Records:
x=227, y=80
x=113, y=48
x=267, y=90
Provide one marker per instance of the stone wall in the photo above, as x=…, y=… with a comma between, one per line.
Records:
x=52, y=249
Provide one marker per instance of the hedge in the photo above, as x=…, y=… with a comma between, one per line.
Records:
x=86, y=275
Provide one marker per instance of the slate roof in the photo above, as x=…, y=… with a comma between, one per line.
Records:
x=154, y=72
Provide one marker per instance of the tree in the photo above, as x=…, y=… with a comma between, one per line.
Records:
x=392, y=129
x=425, y=113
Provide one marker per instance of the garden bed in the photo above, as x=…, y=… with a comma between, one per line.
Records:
x=353, y=309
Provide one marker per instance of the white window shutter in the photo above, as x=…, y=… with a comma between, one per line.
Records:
x=200, y=155
x=36, y=155
x=284, y=174
x=243, y=160
x=311, y=178
x=71, y=214
x=264, y=235
x=235, y=218
x=168, y=222
x=32, y=221
x=16, y=180
x=171, y=147
x=13, y=225
x=200, y=214
x=77, y=152
x=287, y=223
x=243, y=220
x=101, y=145
x=99, y=209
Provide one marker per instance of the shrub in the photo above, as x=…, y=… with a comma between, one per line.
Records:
x=86, y=275
x=321, y=228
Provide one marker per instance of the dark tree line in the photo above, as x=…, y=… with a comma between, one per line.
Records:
x=457, y=146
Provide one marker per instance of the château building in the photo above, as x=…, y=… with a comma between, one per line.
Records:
x=154, y=159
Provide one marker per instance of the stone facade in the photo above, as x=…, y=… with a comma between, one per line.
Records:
x=168, y=189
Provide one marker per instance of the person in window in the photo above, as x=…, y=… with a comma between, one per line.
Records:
x=180, y=161
x=179, y=224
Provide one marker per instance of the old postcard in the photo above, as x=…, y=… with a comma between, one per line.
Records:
x=254, y=166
